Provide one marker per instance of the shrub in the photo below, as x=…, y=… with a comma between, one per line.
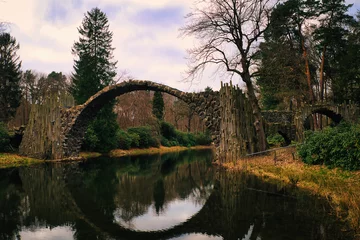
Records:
x=124, y=139
x=4, y=138
x=100, y=135
x=275, y=140
x=135, y=140
x=167, y=130
x=203, y=139
x=147, y=137
x=165, y=142
x=335, y=147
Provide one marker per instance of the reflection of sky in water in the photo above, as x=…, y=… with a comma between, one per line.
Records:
x=197, y=236
x=177, y=211
x=174, y=213
x=57, y=233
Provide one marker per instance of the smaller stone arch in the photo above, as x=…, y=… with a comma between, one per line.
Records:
x=302, y=118
x=334, y=116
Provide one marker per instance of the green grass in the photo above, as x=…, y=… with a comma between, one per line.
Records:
x=9, y=160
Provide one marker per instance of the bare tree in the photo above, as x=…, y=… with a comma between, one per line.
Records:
x=228, y=32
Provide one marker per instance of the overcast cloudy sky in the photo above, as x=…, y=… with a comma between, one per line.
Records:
x=146, y=36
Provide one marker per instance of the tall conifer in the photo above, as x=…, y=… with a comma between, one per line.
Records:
x=94, y=69
x=10, y=76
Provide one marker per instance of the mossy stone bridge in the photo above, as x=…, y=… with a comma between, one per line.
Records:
x=56, y=131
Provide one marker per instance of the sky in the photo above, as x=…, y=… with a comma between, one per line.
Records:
x=145, y=36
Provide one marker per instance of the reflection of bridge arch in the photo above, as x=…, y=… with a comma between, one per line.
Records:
x=76, y=119
x=206, y=221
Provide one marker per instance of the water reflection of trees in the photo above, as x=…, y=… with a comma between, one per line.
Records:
x=177, y=176
x=89, y=196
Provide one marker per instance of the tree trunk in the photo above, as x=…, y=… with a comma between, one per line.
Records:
x=307, y=71
x=259, y=124
x=322, y=74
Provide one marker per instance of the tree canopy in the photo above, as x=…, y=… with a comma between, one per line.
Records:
x=10, y=76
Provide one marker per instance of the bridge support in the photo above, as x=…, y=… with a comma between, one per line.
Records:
x=237, y=131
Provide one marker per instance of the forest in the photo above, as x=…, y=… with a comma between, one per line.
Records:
x=288, y=53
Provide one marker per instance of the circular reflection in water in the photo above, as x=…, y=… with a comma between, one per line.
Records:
x=39, y=233
x=174, y=212
x=196, y=236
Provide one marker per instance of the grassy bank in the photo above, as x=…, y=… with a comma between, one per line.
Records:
x=340, y=188
x=153, y=150
x=8, y=160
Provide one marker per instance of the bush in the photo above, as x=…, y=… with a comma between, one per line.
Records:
x=167, y=130
x=4, y=138
x=100, y=135
x=135, y=140
x=147, y=137
x=334, y=147
x=275, y=140
x=124, y=139
x=165, y=142
x=203, y=139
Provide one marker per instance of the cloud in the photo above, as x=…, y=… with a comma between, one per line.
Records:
x=163, y=17
x=145, y=37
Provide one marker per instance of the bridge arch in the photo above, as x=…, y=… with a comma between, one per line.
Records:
x=335, y=117
x=75, y=120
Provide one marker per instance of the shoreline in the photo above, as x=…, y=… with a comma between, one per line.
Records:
x=339, y=187
x=10, y=160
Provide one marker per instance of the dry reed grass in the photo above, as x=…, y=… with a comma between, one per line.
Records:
x=153, y=150
x=340, y=188
x=8, y=160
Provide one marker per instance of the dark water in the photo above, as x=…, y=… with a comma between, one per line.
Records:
x=175, y=196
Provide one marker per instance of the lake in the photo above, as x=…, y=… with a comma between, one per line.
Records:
x=173, y=196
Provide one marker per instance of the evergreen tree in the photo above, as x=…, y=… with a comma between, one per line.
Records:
x=94, y=69
x=10, y=76
x=158, y=106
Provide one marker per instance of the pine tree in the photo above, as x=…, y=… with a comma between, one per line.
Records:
x=158, y=106
x=94, y=69
x=10, y=76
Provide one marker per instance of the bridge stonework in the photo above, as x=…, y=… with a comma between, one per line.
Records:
x=291, y=124
x=74, y=121
x=336, y=112
x=56, y=131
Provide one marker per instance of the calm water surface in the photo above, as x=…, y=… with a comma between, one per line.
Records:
x=173, y=196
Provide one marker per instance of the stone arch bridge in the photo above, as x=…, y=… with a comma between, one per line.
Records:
x=55, y=131
x=292, y=124
x=65, y=127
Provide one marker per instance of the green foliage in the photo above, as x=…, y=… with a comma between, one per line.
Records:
x=124, y=139
x=167, y=130
x=275, y=140
x=127, y=140
x=10, y=76
x=334, y=147
x=203, y=139
x=94, y=68
x=173, y=137
x=4, y=137
x=100, y=135
x=158, y=106
x=147, y=136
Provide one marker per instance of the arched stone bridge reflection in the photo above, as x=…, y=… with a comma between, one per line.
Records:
x=240, y=205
